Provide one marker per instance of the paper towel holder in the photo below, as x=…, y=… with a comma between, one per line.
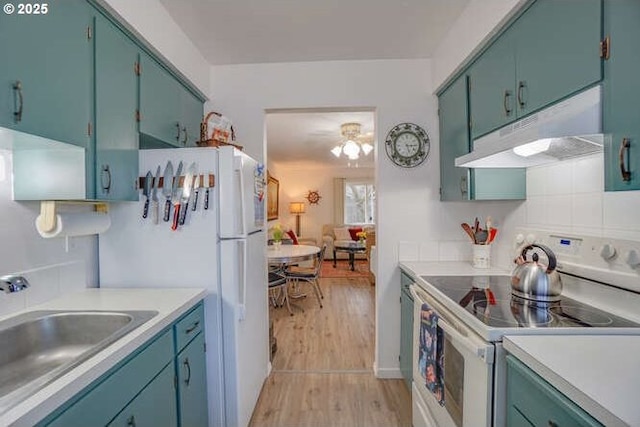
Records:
x=48, y=211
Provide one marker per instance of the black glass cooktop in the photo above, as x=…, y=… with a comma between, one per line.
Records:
x=489, y=299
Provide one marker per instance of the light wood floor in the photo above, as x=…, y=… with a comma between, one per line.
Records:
x=323, y=369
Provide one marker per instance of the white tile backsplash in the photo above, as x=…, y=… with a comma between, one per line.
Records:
x=570, y=196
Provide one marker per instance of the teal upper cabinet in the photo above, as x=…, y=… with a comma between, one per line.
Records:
x=550, y=52
x=459, y=184
x=191, y=116
x=169, y=113
x=492, y=87
x=45, y=76
x=557, y=51
x=116, y=129
x=621, y=119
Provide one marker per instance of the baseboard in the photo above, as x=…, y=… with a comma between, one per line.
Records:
x=387, y=373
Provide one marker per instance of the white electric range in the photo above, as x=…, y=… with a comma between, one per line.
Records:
x=601, y=293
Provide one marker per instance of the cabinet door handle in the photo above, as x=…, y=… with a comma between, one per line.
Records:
x=186, y=136
x=17, y=88
x=179, y=131
x=463, y=186
x=625, y=145
x=521, y=87
x=553, y=424
x=192, y=327
x=131, y=422
x=186, y=364
x=505, y=103
x=105, y=179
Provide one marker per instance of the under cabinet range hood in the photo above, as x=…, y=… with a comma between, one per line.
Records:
x=568, y=129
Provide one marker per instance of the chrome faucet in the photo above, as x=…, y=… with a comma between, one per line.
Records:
x=10, y=284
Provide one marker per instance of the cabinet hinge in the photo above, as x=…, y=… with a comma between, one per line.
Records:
x=470, y=124
x=89, y=129
x=605, y=48
x=138, y=116
x=89, y=33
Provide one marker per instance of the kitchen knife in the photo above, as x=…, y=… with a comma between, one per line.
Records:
x=206, y=195
x=147, y=191
x=186, y=191
x=166, y=189
x=196, y=189
x=175, y=197
x=154, y=197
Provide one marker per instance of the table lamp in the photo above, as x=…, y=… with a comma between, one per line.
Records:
x=297, y=208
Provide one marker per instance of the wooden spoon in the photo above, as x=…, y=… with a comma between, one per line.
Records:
x=467, y=228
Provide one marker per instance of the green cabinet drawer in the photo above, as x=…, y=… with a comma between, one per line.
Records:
x=100, y=403
x=192, y=384
x=155, y=406
x=531, y=398
x=189, y=326
x=621, y=119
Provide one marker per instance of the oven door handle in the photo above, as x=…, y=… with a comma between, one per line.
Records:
x=483, y=351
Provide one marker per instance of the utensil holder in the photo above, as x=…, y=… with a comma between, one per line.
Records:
x=481, y=256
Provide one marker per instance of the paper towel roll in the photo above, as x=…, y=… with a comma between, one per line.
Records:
x=77, y=224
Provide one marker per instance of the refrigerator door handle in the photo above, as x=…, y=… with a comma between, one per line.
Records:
x=243, y=207
x=242, y=308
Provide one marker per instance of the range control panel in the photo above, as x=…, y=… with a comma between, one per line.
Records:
x=612, y=261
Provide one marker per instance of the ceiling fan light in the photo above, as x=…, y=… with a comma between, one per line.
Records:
x=336, y=150
x=366, y=148
x=351, y=149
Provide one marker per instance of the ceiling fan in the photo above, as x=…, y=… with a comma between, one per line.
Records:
x=353, y=142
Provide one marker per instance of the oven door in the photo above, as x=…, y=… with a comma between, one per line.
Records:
x=467, y=377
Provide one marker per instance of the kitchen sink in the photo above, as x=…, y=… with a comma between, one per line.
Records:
x=40, y=346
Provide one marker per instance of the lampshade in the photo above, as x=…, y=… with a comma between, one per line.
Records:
x=296, y=207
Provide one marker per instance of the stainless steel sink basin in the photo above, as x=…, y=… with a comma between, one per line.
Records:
x=40, y=346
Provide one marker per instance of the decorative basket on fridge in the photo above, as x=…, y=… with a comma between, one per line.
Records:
x=216, y=130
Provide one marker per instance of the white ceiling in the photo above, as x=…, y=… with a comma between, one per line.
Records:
x=264, y=31
x=306, y=138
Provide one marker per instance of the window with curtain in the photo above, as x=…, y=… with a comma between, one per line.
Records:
x=359, y=201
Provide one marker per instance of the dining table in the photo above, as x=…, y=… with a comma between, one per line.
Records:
x=290, y=254
x=280, y=256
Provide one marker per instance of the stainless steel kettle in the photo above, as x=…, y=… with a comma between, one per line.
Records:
x=535, y=281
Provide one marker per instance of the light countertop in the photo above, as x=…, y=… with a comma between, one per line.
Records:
x=449, y=268
x=170, y=304
x=601, y=374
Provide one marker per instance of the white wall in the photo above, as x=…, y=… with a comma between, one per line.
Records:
x=476, y=24
x=409, y=209
x=151, y=21
x=51, y=270
x=295, y=184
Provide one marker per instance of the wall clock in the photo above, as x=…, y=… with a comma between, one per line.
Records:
x=313, y=197
x=407, y=145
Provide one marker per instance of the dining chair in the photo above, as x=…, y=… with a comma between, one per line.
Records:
x=278, y=287
x=308, y=275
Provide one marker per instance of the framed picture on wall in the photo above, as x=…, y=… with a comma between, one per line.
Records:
x=273, y=187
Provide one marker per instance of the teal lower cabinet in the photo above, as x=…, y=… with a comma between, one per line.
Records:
x=192, y=384
x=406, y=330
x=158, y=385
x=532, y=401
x=155, y=406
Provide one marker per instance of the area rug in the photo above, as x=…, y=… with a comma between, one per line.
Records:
x=343, y=270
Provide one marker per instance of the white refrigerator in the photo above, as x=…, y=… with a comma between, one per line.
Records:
x=222, y=249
